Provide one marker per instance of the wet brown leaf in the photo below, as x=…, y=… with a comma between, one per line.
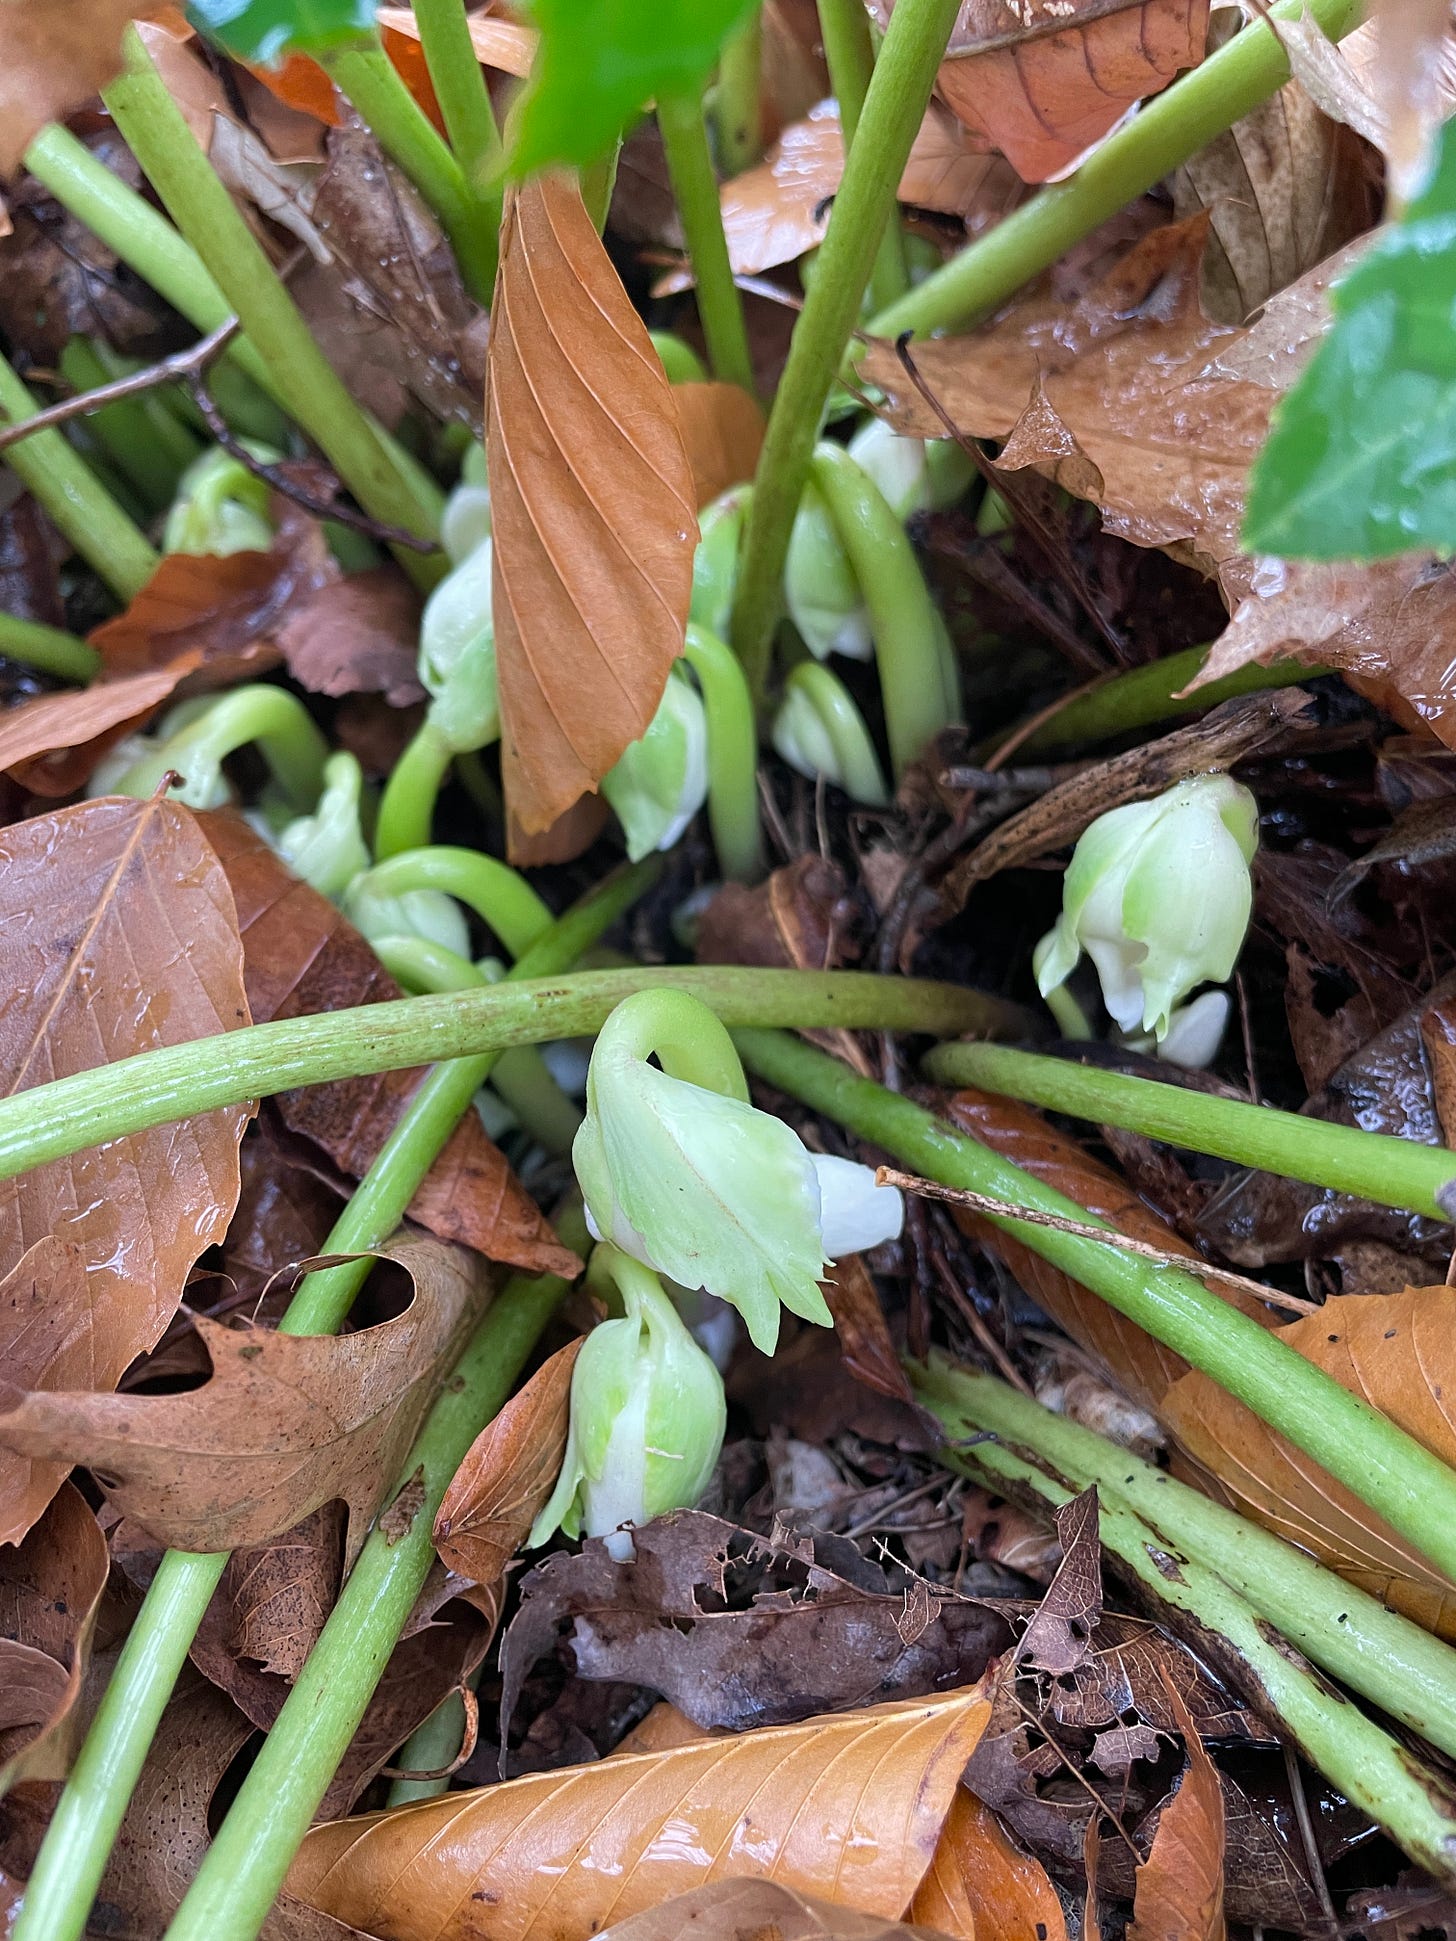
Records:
x=287, y=1423
x=1179, y=1892
x=356, y=636
x=117, y=935
x=53, y=743
x=300, y=956
x=722, y=428
x=592, y=503
x=981, y=1886
x=1058, y=1638
x=284, y=1214
x=863, y=1333
x=733, y=1909
x=50, y=1587
x=850, y=1806
x=508, y=1473
x=274, y=1597
x=58, y=53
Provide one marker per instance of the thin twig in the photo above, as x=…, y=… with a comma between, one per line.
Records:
x=1219, y=1278
x=1313, y=1860
x=180, y=368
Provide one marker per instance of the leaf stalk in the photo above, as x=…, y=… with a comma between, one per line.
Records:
x=695, y=188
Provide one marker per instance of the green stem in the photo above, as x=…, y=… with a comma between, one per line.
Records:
x=849, y=50
x=695, y=187
x=1394, y=1172
x=893, y=110
x=367, y=76
x=47, y=649
x=147, y=442
x=688, y=1042
x=68, y=1870
x=459, y=83
x=301, y=376
x=1345, y=1631
x=70, y=1114
x=1230, y=84
x=244, y=1867
x=1386, y=1468
x=857, y=763
x=1366, y=1764
x=435, y=1742
x=81, y=508
x=502, y=899
x=732, y=755
x=407, y=806
x=918, y=679
x=738, y=100
x=276, y=720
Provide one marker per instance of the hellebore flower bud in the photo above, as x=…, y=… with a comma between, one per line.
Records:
x=327, y=849
x=690, y=1179
x=715, y=560
x=427, y=914
x=457, y=655
x=818, y=730
x=647, y=1416
x=1158, y=895
x=221, y=507
x=466, y=518
x=661, y=780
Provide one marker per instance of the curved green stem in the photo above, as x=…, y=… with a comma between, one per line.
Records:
x=407, y=806
x=1230, y=84
x=1393, y=1172
x=1386, y=1468
x=367, y=76
x=67, y=1115
x=732, y=755
x=282, y=727
x=893, y=109
x=459, y=83
x=737, y=101
x=695, y=187
x=679, y=1031
x=849, y=50
x=72, y=1857
x=49, y=650
x=857, y=762
x=499, y=896
x=1348, y=1633
x=916, y=664
x=78, y=505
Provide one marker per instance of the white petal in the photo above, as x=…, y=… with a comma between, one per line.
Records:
x=1195, y=1032
x=855, y=1214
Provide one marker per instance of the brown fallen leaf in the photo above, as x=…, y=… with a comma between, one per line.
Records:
x=284, y=1214
x=849, y=1806
x=722, y=428
x=356, y=636
x=508, y=1473
x=663, y=1728
x=52, y=743
x=117, y=935
x=274, y=1598
x=58, y=53
x=1179, y=1892
x=50, y=1588
x=287, y=1422
x=498, y=43
x=301, y=956
x=981, y=1886
x=1058, y=1638
x=592, y=507
x=732, y=1909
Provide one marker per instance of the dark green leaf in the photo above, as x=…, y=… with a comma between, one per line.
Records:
x=602, y=61
x=1361, y=460
x=267, y=31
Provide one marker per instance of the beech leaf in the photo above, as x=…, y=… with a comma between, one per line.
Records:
x=722, y=428
x=732, y=1909
x=1179, y=1890
x=849, y=1807
x=58, y=53
x=117, y=935
x=593, y=508
x=52, y=743
x=50, y=1587
x=981, y=1886
x=287, y=1423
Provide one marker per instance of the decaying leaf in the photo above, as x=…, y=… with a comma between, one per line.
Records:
x=849, y=1806
x=981, y=1886
x=592, y=503
x=732, y=1909
x=58, y=53
x=722, y=428
x=287, y=1422
x=1179, y=1893
x=273, y=1599
x=356, y=636
x=50, y=1587
x=1059, y=1635
x=52, y=743
x=117, y=935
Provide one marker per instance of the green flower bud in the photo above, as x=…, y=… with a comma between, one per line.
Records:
x=465, y=522
x=429, y=914
x=818, y=730
x=221, y=507
x=820, y=587
x=457, y=655
x=1158, y=894
x=715, y=562
x=647, y=1416
x=661, y=781
x=914, y=474
x=327, y=849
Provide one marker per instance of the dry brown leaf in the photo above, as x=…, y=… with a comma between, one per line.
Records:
x=356, y=636
x=1411, y=72
x=849, y=1806
x=981, y=1886
x=1398, y=1353
x=273, y=1599
x=1179, y=1891
x=287, y=1423
x=568, y=837
x=663, y=1728
x=50, y=1587
x=58, y=53
x=503, y=44
x=52, y=744
x=735, y=1910
x=722, y=428
x=592, y=507
x=508, y=1472
x=301, y=956
x=117, y=935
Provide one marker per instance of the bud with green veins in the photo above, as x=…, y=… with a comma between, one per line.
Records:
x=327, y=849
x=682, y=1173
x=457, y=655
x=1158, y=894
x=647, y=1415
x=661, y=780
x=221, y=507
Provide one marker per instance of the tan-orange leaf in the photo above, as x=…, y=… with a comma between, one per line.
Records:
x=1179, y=1891
x=117, y=935
x=52, y=744
x=509, y=1471
x=503, y=44
x=848, y=1806
x=58, y=53
x=756, y=1910
x=1398, y=1353
x=288, y=1422
x=592, y=507
x=722, y=428
x=981, y=1886
x=50, y=1588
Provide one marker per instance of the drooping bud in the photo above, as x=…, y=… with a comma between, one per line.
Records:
x=457, y=655
x=327, y=849
x=220, y=508
x=465, y=522
x=661, y=780
x=715, y=560
x=428, y=914
x=818, y=730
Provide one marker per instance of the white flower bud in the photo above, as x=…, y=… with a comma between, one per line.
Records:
x=220, y=507
x=661, y=781
x=457, y=654
x=327, y=849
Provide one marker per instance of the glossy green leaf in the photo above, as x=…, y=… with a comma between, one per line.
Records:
x=1361, y=460
x=267, y=31
x=602, y=62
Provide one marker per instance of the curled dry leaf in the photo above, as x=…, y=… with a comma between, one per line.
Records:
x=287, y=1422
x=592, y=506
x=981, y=1886
x=1179, y=1891
x=50, y=1587
x=53, y=743
x=722, y=428
x=508, y=1473
x=1058, y=1638
x=117, y=935
x=849, y=1806
x=732, y=1909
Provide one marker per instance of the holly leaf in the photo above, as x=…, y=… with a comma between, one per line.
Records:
x=267, y=31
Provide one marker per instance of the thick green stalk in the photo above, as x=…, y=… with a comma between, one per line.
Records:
x=1414, y=1805
x=78, y=505
x=1230, y=84
x=244, y=1867
x=148, y=444
x=49, y=650
x=695, y=188
x=407, y=806
x=849, y=50
x=732, y=755
x=499, y=896
x=737, y=100
x=406, y=134
x=1393, y=1172
x=72, y=1858
x=1346, y=1632
x=1386, y=1468
x=459, y=83
x=301, y=376
x=1143, y=695
x=893, y=109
